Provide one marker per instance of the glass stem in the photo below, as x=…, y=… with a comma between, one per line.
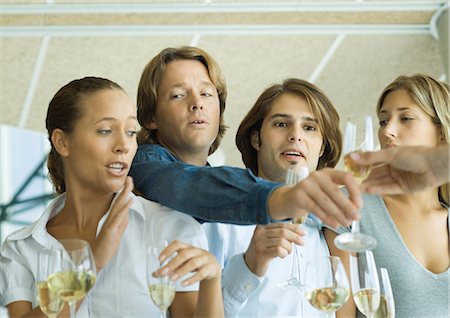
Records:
x=163, y=314
x=72, y=308
x=355, y=227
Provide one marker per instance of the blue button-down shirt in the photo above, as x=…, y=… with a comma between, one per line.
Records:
x=217, y=194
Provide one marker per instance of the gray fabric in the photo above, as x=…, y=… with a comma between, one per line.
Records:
x=417, y=291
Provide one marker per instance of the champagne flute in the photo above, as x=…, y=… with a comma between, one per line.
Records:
x=295, y=174
x=387, y=306
x=161, y=289
x=365, y=285
x=49, y=262
x=77, y=275
x=355, y=241
x=326, y=284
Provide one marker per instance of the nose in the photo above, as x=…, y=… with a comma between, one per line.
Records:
x=390, y=129
x=122, y=144
x=295, y=134
x=195, y=103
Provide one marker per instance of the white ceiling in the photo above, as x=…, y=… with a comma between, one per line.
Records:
x=351, y=49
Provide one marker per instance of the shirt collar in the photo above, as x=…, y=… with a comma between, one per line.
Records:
x=38, y=229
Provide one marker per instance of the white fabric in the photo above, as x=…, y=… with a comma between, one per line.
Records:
x=120, y=289
x=245, y=294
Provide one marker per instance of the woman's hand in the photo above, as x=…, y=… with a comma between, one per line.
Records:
x=188, y=259
x=109, y=238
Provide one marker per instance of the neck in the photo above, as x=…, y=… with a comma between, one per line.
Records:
x=421, y=201
x=192, y=156
x=83, y=210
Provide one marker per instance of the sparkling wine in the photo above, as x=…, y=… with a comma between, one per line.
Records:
x=359, y=172
x=367, y=300
x=49, y=301
x=300, y=219
x=71, y=285
x=162, y=295
x=328, y=299
x=385, y=310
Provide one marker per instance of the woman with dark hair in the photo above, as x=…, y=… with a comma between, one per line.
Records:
x=91, y=124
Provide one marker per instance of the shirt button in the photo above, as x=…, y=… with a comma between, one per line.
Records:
x=247, y=286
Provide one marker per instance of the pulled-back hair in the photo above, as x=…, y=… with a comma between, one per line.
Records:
x=321, y=107
x=432, y=97
x=147, y=95
x=63, y=112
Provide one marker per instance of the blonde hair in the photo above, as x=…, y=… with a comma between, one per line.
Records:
x=433, y=97
x=151, y=77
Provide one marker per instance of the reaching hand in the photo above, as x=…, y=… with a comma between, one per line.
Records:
x=319, y=193
x=109, y=238
x=270, y=241
x=188, y=259
x=405, y=169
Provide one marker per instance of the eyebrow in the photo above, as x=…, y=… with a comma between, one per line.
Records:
x=287, y=116
x=109, y=119
x=203, y=82
x=399, y=109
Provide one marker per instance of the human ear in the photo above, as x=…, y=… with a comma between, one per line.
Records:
x=60, y=142
x=255, y=140
x=152, y=124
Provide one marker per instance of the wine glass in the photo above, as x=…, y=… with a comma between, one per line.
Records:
x=295, y=174
x=355, y=241
x=326, y=284
x=386, y=309
x=365, y=285
x=49, y=262
x=77, y=275
x=161, y=289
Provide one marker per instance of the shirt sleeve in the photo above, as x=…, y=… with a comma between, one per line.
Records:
x=16, y=280
x=211, y=194
x=238, y=283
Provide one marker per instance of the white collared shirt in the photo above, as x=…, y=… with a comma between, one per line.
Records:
x=247, y=295
x=120, y=289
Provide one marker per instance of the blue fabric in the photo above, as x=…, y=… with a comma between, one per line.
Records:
x=211, y=194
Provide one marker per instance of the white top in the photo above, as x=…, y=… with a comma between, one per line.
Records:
x=247, y=295
x=121, y=288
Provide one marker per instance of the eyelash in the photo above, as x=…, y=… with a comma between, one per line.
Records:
x=306, y=127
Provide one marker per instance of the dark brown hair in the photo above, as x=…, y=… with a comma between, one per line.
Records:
x=151, y=77
x=320, y=105
x=63, y=112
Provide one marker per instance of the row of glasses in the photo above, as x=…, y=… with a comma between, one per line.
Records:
x=64, y=276
x=327, y=287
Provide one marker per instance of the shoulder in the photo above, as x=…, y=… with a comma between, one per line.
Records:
x=152, y=151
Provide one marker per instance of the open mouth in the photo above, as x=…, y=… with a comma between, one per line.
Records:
x=117, y=167
x=293, y=154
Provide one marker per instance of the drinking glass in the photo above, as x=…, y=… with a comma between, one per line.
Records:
x=355, y=241
x=77, y=275
x=326, y=284
x=161, y=289
x=49, y=262
x=365, y=285
x=295, y=174
x=386, y=309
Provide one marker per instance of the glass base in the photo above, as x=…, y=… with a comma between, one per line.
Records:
x=355, y=242
x=291, y=283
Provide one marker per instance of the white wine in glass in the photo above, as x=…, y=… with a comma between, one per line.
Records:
x=326, y=284
x=49, y=262
x=365, y=284
x=161, y=289
x=386, y=309
x=355, y=241
x=77, y=275
x=295, y=174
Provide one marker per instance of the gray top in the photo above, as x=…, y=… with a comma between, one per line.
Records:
x=417, y=291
